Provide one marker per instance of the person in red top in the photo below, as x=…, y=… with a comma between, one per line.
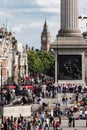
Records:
x=40, y=127
x=58, y=126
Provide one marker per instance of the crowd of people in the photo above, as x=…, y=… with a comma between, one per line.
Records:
x=37, y=122
x=44, y=120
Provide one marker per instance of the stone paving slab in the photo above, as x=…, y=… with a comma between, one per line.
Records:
x=79, y=128
x=71, y=128
x=79, y=125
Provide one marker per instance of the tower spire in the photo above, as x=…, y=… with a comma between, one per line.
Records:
x=45, y=29
x=45, y=37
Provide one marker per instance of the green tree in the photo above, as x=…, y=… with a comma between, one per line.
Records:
x=41, y=62
x=34, y=63
x=48, y=62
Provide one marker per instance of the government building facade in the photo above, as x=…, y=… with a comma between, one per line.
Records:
x=13, y=59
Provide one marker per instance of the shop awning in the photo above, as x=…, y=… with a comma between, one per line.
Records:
x=11, y=87
x=27, y=87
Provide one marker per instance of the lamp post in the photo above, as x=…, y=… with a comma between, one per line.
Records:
x=25, y=68
x=57, y=68
x=7, y=77
x=1, y=83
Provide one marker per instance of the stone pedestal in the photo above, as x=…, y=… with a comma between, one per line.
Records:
x=70, y=60
x=15, y=111
x=70, y=48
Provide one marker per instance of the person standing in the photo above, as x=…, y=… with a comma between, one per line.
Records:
x=77, y=96
x=46, y=123
x=40, y=127
x=42, y=117
x=50, y=120
x=58, y=126
x=5, y=126
x=54, y=124
x=70, y=120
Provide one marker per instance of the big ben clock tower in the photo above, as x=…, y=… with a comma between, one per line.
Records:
x=45, y=38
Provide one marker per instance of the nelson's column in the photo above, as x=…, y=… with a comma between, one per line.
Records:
x=70, y=47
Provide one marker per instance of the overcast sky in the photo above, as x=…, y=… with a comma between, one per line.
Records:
x=26, y=18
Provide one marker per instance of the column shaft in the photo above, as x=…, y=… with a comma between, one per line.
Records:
x=69, y=14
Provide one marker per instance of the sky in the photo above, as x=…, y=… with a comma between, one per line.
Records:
x=25, y=18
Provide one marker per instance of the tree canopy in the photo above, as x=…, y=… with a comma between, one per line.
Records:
x=41, y=62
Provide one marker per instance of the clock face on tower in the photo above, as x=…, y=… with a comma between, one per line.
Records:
x=43, y=38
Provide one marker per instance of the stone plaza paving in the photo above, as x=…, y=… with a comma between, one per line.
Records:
x=79, y=125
